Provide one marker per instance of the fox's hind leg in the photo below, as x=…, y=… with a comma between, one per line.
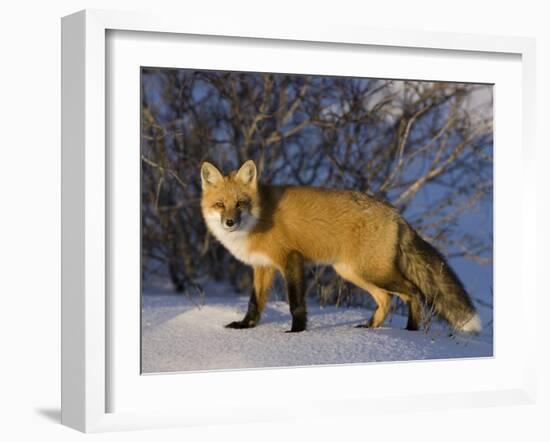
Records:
x=263, y=278
x=383, y=302
x=415, y=311
x=409, y=293
x=415, y=314
x=380, y=295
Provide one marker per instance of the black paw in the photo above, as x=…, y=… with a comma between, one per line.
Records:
x=299, y=324
x=240, y=324
x=362, y=326
x=295, y=330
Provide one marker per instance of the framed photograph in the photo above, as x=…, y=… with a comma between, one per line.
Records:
x=277, y=209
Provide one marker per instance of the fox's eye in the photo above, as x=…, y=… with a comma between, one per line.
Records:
x=219, y=204
x=241, y=203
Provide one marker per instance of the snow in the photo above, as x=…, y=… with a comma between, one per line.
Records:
x=187, y=333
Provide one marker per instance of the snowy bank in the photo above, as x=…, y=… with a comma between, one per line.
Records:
x=181, y=333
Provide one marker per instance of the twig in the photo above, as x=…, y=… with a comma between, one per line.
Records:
x=164, y=170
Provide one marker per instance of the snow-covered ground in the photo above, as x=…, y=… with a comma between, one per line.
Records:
x=182, y=333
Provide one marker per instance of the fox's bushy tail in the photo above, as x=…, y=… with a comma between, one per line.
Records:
x=428, y=270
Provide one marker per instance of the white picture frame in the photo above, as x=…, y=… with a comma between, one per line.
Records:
x=86, y=356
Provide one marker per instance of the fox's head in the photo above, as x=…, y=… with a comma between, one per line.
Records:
x=230, y=202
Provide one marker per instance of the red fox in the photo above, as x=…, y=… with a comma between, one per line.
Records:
x=366, y=241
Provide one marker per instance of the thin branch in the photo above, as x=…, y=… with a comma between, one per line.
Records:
x=163, y=169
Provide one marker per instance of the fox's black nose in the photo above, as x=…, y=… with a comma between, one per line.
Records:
x=229, y=222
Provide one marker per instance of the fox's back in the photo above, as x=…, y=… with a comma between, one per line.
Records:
x=325, y=225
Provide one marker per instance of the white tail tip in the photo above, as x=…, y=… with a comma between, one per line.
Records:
x=473, y=325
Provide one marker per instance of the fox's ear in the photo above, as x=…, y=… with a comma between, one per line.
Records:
x=210, y=175
x=247, y=173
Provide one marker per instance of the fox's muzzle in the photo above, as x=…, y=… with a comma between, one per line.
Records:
x=231, y=221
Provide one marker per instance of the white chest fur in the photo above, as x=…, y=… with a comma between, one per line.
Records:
x=237, y=242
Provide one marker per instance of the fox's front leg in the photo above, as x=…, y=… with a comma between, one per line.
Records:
x=294, y=277
x=263, y=278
